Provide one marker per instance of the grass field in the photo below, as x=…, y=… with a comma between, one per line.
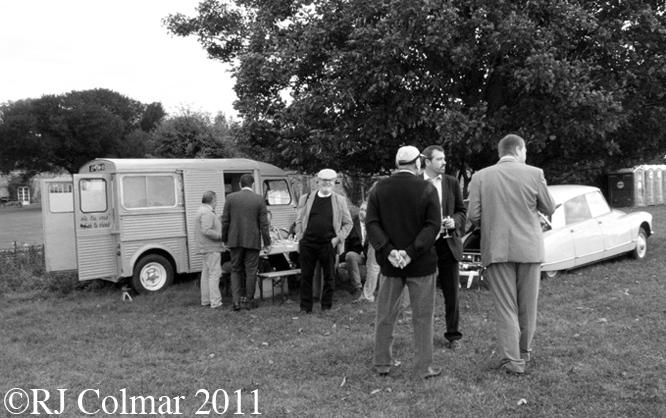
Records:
x=599, y=352
x=21, y=225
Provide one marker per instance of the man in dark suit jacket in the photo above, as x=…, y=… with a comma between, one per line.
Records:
x=503, y=201
x=449, y=249
x=356, y=250
x=403, y=220
x=244, y=224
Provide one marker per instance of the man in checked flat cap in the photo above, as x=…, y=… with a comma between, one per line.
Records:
x=322, y=224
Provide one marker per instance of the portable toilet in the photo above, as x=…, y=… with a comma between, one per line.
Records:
x=621, y=187
x=658, y=185
x=639, y=183
x=649, y=185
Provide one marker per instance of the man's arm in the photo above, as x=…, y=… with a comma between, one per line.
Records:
x=474, y=209
x=263, y=223
x=433, y=221
x=545, y=202
x=299, y=215
x=208, y=226
x=459, y=209
x=347, y=223
x=376, y=234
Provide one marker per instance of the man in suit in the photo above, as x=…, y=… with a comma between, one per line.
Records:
x=403, y=220
x=503, y=201
x=322, y=224
x=356, y=246
x=208, y=238
x=449, y=249
x=244, y=224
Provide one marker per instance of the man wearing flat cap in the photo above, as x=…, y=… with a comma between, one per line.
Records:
x=403, y=220
x=322, y=224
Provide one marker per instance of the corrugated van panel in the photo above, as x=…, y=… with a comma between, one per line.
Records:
x=196, y=183
x=146, y=227
x=283, y=216
x=95, y=259
x=177, y=247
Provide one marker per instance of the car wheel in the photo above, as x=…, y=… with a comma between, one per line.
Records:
x=153, y=273
x=640, y=251
x=551, y=274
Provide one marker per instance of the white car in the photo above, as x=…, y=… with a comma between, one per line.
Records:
x=583, y=230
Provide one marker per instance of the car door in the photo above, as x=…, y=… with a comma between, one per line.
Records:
x=585, y=231
x=616, y=232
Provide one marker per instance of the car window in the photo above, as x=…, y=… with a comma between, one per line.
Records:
x=598, y=205
x=576, y=210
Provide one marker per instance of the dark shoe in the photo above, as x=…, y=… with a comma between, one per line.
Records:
x=454, y=345
x=501, y=367
x=250, y=304
x=432, y=373
x=356, y=293
x=384, y=370
x=237, y=307
x=304, y=312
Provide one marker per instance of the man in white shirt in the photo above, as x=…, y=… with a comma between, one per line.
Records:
x=448, y=246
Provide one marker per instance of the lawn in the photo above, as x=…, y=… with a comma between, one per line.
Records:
x=599, y=352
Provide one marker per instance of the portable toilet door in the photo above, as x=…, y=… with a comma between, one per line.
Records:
x=649, y=185
x=621, y=188
x=639, y=189
x=658, y=185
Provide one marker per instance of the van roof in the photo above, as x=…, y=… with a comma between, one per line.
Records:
x=151, y=164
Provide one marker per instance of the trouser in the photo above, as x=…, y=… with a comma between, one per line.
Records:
x=371, y=275
x=422, y=296
x=515, y=291
x=310, y=253
x=210, y=280
x=244, y=260
x=449, y=281
x=352, y=262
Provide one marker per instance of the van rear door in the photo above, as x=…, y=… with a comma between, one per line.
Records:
x=58, y=225
x=94, y=224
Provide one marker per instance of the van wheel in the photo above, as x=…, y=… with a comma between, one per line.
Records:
x=550, y=274
x=153, y=273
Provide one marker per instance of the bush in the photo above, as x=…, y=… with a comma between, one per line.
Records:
x=22, y=269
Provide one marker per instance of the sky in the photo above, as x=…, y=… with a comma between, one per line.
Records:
x=57, y=46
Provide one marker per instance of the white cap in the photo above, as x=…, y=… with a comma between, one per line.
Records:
x=327, y=174
x=407, y=155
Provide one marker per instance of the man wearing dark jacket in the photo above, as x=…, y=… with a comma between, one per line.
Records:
x=403, y=220
x=244, y=224
x=448, y=246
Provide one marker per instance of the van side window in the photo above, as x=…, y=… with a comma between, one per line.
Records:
x=276, y=192
x=93, y=195
x=142, y=191
x=61, y=198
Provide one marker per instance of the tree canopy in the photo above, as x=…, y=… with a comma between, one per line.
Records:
x=344, y=83
x=192, y=134
x=56, y=132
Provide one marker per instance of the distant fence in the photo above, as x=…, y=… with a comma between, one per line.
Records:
x=22, y=255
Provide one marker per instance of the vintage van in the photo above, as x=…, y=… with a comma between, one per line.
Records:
x=133, y=219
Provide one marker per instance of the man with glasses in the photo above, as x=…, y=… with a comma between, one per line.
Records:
x=322, y=224
x=449, y=241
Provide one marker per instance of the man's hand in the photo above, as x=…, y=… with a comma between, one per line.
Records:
x=335, y=241
x=267, y=249
x=399, y=258
x=406, y=259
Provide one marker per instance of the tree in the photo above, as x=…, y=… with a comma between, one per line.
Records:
x=187, y=135
x=344, y=83
x=57, y=132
